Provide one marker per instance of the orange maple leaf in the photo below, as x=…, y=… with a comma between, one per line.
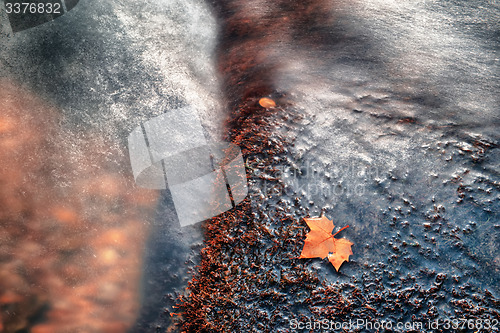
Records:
x=321, y=243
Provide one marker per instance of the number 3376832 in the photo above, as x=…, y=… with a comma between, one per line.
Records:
x=33, y=8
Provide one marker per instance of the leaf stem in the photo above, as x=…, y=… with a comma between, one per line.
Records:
x=340, y=230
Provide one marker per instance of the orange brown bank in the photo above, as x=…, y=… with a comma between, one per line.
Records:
x=321, y=243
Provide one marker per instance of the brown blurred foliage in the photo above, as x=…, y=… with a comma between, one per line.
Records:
x=72, y=224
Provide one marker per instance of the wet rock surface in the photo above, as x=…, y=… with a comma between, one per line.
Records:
x=418, y=257
x=415, y=177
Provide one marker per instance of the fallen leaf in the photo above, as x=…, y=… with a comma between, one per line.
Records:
x=266, y=102
x=321, y=243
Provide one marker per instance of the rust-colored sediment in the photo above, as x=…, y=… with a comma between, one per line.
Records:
x=72, y=227
x=231, y=265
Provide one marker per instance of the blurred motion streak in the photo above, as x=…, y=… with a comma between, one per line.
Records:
x=72, y=226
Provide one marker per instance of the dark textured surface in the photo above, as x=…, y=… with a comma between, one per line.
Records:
x=408, y=160
x=387, y=120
